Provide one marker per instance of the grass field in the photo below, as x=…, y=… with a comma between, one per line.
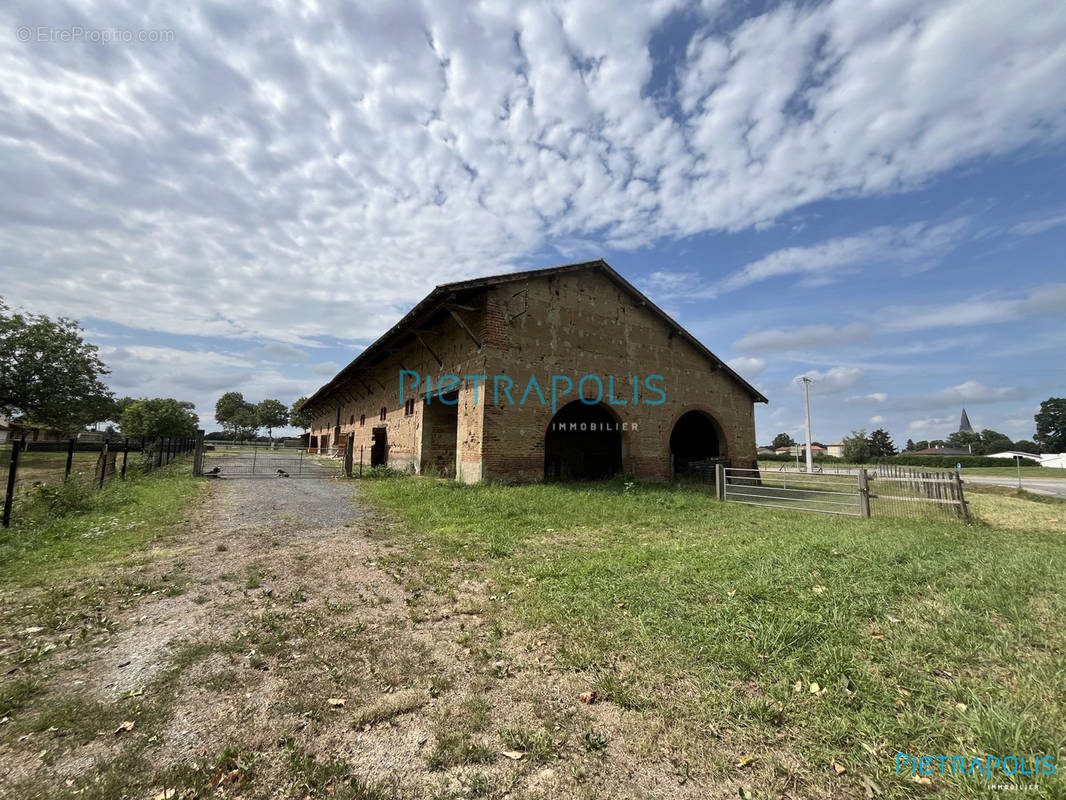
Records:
x=45, y=466
x=768, y=643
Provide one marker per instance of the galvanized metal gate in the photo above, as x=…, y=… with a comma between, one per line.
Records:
x=826, y=494
x=262, y=460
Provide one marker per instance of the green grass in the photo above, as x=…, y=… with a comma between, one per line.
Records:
x=927, y=637
x=59, y=530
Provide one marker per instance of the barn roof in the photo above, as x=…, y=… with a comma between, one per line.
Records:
x=448, y=292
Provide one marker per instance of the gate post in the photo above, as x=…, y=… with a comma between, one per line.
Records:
x=864, y=493
x=70, y=459
x=12, y=471
x=198, y=454
x=349, y=445
x=719, y=481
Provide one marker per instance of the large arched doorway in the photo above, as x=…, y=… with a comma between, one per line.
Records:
x=693, y=441
x=583, y=442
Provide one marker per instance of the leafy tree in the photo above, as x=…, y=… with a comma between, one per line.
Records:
x=1025, y=446
x=782, y=440
x=966, y=440
x=993, y=442
x=158, y=418
x=271, y=414
x=236, y=416
x=881, y=443
x=936, y=443
x=911, y=446
x=1051, y=425
x=48, y=374
x=299, y=417
x=857, y=447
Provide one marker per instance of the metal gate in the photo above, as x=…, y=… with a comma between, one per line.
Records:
x=262, y=460
x=827, y=494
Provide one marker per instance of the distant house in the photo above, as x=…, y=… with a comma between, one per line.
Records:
x=816, y=450
x=836, y=449
x=1053, y=460
x=765, y=451
x=12, y=429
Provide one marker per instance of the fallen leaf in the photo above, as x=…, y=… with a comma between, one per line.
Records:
x=818, y=589
x=893, y=620
x=166, y=794
x=514, y=755
x=923, y=781
x=745, y=794
x=588, y=698
x=872, y=751
x=960, y=706
x=816, y=689
x=879, y=637
x=838, y=768
x=125, y=727
x=732, y=593
x=745, y=762
x=336, y=702
x=797, y=686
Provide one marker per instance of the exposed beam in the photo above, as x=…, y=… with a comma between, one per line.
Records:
x=452, y=310
x=430, y=349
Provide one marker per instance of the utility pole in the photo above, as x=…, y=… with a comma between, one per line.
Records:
x=807, y=405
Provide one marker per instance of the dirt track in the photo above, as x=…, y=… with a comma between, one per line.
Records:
x=277, y=650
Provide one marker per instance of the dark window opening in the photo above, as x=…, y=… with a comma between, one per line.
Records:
x=694, y=444
x=384, y=411
x=362, y=420
x=379, y=448
x=409, y=407
x=582, y=443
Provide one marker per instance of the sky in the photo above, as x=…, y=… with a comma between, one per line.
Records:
x=243, y=196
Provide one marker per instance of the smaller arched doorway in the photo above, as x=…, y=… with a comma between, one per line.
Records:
x=694, y=442
x=583, y=442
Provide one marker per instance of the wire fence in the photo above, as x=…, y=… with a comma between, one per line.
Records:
x=26, y=465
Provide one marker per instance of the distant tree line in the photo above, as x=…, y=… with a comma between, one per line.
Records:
x=242, y=420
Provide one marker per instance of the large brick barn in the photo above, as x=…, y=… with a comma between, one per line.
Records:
x=483, y=362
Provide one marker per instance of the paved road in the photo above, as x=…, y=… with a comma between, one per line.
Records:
x=1054, y=486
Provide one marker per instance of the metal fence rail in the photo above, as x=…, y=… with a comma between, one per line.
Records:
x=262, y=460
x=825, y=494
x=25, y=465
x=890, y=491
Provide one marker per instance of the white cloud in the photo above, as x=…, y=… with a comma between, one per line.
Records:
x=289, y=172
x=801, y=338
x=978, y=310
x=876, y=419
x=1035, y=226
x=968, y=393
x=833, y=380
x=915, y=246
x=928, y=424
x=747, y=367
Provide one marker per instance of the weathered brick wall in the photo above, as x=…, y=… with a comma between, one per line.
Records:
x=582, y=323
x=381, y=388
x=571, y=324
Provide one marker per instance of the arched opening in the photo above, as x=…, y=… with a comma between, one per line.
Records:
x=693, y=443
x=583, y=442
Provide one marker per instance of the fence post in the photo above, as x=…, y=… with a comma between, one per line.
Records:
x=349, y=445
x=103, y=464
x=864, y=493
x=360, y=461
x=198, y=454
x=964, y=511
x=125, y=456
x=719, y=481
x=70, y=459
x=12, y=469
x=158, y=452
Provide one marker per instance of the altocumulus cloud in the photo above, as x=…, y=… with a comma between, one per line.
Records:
x=343, y=158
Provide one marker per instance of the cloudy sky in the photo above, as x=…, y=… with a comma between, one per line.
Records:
x=241, y=196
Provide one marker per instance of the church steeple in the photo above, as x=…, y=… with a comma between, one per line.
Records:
x=964, y=423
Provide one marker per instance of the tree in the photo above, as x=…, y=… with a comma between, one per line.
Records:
x=300, y=417
x=923, y=444
x=1025, y=446
x=911, y=446
x=881, y=443
x=159, y=418
x=48, y=374
x=857, y=447
x=782, y=440
x=271, y=414
x=1051, y=425
x=966, y=440
x=993, y=442
x=237, y=416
